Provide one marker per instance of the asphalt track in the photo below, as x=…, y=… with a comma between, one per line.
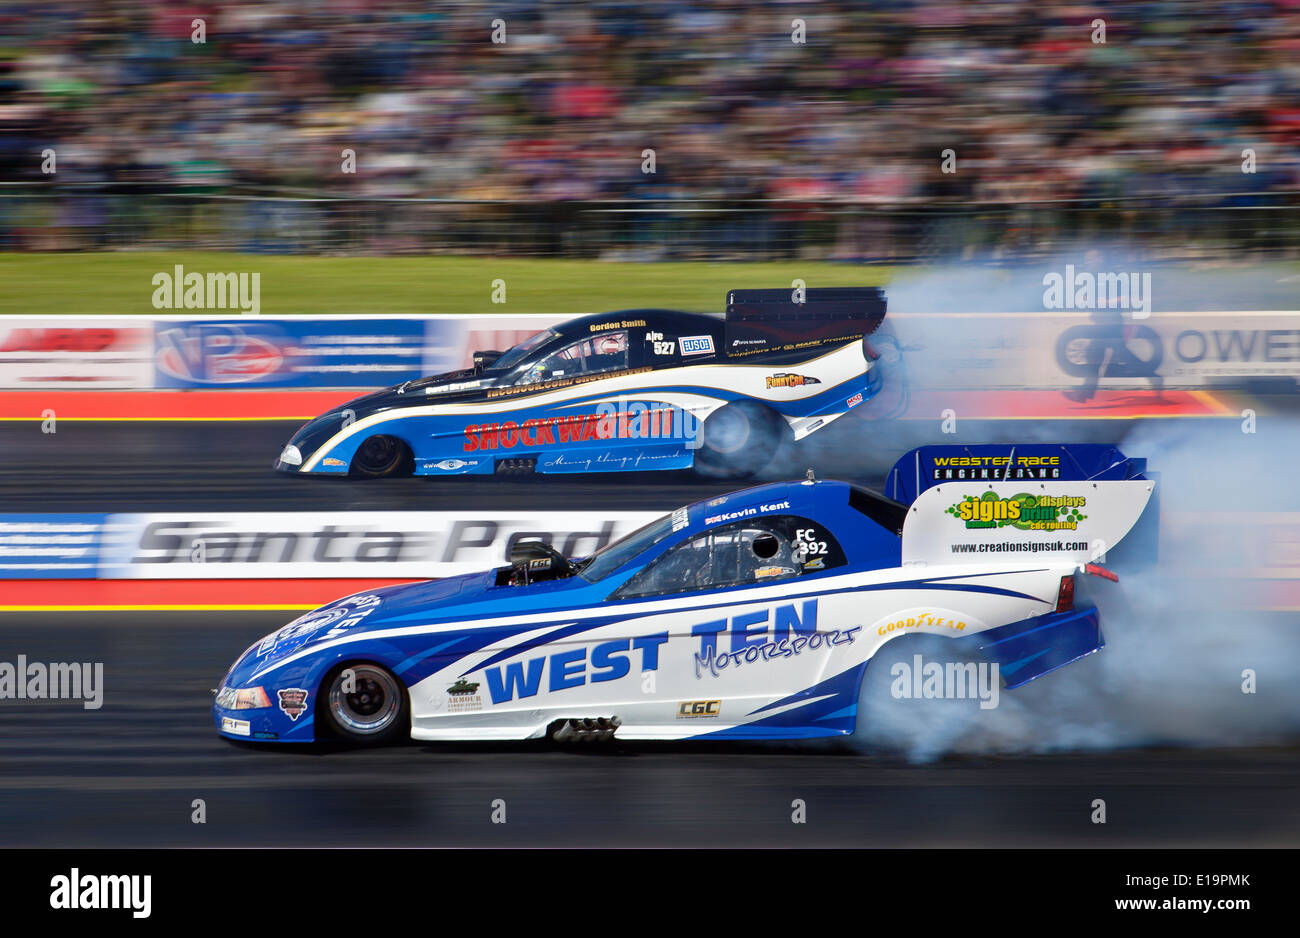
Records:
x=96, y=466
x=126, y=776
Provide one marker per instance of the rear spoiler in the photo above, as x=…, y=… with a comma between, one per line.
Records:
x=928, y=466
x=976, y=504
x=761, y=321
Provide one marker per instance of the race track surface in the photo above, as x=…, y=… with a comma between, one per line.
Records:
x=173, y=466
x=127, y=774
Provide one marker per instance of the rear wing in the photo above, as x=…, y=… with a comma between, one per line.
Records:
x=761, y=321
x=990, y=502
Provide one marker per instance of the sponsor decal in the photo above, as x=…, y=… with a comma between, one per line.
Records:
x=634, y=424
x=697, y=345
x=924, y=620
x=293, y=701
x=698, y=709
x=764, y=573
x=854, y=401
x=681, y=518
x=787, y=379
x=236, y=727
x=463, y=697
x=451, y=465
x=1024, y=511
x=993, y=468
x=764, y=635
x=331, y=461
x=746, y=512
x=261, y=735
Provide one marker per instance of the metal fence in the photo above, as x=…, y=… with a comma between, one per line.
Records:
x=70, y=219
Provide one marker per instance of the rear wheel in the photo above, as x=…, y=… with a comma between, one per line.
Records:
x=365, y=703
x=737, y=440
x=380, y=456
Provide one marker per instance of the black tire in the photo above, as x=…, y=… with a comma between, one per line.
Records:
x=377, y=711
x=738, y=439
x=380, y=456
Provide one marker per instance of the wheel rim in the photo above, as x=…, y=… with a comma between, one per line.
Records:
x=378, y=454
x=371, y=706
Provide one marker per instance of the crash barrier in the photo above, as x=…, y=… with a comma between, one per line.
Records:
x=1045, y=350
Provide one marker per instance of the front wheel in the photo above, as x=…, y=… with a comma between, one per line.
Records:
x=365, y=703
x=381, y=456
x=738, y=439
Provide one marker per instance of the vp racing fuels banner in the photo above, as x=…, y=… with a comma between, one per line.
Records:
x=1047, y=349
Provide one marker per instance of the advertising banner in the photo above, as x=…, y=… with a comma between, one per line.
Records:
x=417, y=544
x=37, y=353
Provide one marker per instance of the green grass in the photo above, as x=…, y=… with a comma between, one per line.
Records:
x=120, y=284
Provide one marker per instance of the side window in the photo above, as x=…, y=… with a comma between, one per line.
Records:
x=754, y=551
x=600, y=353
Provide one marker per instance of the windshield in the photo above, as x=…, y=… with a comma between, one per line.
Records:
x=522, y=350
x=610, y=558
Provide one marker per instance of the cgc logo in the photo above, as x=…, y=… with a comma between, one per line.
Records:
x=698, y=709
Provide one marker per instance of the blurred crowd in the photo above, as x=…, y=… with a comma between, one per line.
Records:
x=1031, y=106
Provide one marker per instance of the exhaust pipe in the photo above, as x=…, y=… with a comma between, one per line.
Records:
x=586, y=730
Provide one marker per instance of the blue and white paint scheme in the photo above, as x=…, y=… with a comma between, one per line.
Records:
x=623, y=391
x=748, y=616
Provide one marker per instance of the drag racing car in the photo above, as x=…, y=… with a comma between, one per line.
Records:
x=748, y=616
x=629, y=390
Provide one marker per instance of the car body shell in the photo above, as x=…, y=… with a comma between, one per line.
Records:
x=762, y=659
x=644, y=414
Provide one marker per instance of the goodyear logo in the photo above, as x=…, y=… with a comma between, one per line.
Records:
x=1024, y=511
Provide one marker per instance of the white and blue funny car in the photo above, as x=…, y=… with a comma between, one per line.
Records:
x=630, y=390
x=749, y=616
